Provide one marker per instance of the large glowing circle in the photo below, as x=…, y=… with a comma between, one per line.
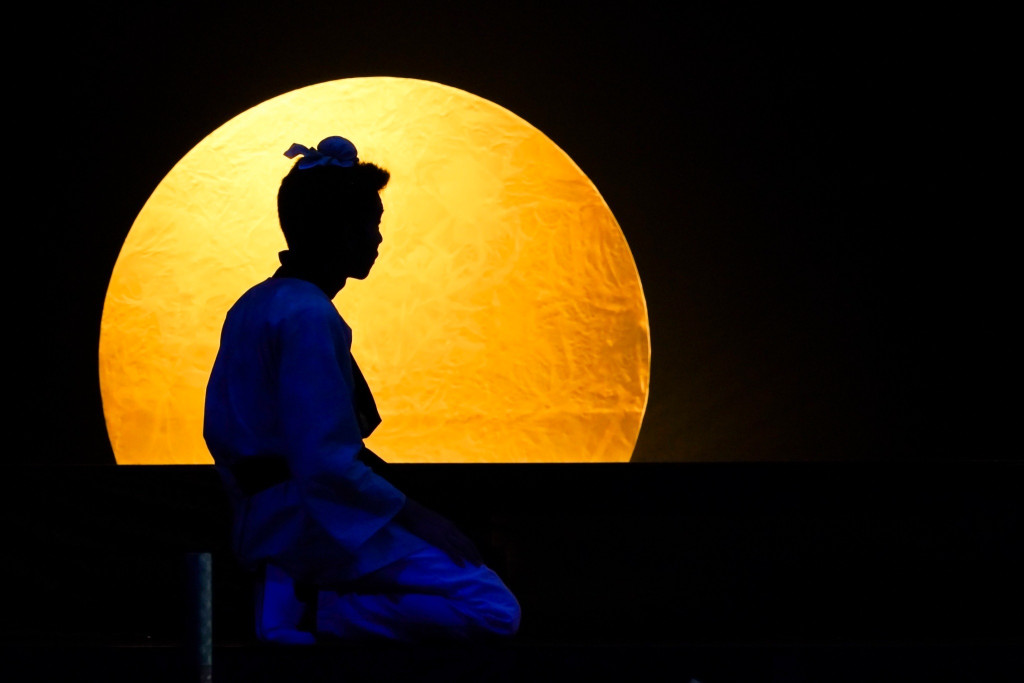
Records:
x=504, y=320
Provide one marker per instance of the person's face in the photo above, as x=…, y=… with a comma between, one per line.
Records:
x=365, y=240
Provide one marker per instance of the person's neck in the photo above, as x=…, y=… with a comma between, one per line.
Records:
x=310, y=269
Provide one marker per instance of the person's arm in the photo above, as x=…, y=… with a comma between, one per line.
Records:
x=323, y=444
x=320, y=433
x=439, y=531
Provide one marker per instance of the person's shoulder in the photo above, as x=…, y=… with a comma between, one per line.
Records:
x=291, y=301
x=291, y=290
x=277, y=300
x=285, y=293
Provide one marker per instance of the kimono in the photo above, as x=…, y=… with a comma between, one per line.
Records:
x=284, y=395
x=286, y=413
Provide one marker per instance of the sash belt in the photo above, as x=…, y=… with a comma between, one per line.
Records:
x=260, y=473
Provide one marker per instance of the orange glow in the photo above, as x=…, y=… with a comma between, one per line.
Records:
x=504, y=320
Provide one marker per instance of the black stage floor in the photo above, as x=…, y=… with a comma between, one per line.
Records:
x=523, y=661
x=646, y=572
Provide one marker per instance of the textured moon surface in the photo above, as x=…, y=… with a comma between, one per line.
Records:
x=504, y=320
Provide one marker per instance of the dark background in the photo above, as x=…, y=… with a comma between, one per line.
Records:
x=796, y=188
x=814, y=200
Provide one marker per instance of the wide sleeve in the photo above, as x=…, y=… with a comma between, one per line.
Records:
x=320, y=432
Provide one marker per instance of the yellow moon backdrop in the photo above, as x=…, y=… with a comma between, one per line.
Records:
x=504, y=320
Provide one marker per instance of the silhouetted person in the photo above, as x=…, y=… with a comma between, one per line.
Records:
x=338, y=550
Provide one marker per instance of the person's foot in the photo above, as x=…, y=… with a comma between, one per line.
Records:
x=279, y=613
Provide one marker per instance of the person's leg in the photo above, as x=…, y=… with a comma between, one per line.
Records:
x=424, y=596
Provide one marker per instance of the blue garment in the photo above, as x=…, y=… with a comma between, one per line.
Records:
x=421, y=597
x=424, y=596
x=282, y=385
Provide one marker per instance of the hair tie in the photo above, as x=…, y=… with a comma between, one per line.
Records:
x=332, y=151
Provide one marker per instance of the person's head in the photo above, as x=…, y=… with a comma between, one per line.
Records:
x=329, y=208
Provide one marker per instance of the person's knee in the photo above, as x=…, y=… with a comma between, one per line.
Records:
x=510, y=625
x=502, y=619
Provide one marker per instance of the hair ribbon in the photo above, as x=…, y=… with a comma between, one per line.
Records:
x=332, y=151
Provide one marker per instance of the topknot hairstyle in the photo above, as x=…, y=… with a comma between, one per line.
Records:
x=318, y=205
